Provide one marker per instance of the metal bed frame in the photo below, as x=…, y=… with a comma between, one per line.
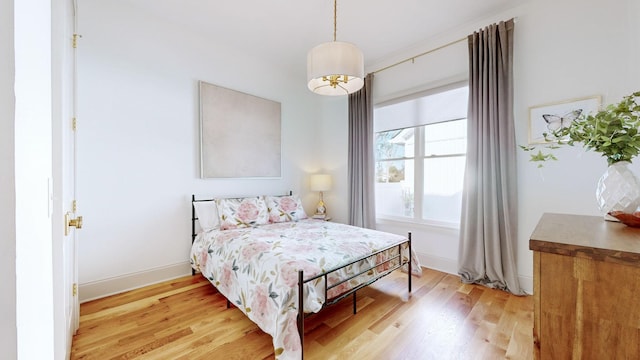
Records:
x=337, y=298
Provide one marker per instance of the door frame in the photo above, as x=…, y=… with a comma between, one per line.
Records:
x=63, y=108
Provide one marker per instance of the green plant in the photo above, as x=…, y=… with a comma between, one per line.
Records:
x=612, y=131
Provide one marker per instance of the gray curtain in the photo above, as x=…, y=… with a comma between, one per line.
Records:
x=362, y=209
x=489, y=220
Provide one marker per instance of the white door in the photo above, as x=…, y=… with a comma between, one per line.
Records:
x=66, y=205
x=72, y=219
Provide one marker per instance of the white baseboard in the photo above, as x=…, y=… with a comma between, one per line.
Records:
x=115, y=285
x=446, y=265
x=450, y=266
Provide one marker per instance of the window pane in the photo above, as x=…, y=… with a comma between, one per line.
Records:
x=394, y=144
x=394, y=188
x=446, y=138
x=443, y=178
x=391, y=171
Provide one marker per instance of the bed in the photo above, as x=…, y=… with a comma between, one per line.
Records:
x=277, y=265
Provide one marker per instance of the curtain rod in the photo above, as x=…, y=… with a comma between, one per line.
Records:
x=419, y=55
x=413, y=58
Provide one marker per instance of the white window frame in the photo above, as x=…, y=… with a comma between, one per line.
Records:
x=419, y=158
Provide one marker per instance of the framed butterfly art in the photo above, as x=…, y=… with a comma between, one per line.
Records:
x=547, y=118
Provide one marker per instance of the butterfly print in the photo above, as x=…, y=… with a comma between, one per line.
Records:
x=556, y=122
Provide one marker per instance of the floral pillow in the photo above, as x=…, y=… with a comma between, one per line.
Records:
x=242, y=212
x=285, y=208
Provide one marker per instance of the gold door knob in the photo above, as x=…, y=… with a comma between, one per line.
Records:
x=77, y=222
x=69, y=222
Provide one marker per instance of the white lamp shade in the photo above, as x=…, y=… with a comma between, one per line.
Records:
x=320, y=182
x=335, y=58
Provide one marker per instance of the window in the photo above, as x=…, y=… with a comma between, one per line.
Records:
x=420, y=151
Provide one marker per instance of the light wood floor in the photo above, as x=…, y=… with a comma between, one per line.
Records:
x=187, y=319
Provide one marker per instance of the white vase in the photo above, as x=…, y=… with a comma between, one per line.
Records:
x=618, y=190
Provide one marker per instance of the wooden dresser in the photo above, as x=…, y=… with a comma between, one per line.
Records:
x=586, y=275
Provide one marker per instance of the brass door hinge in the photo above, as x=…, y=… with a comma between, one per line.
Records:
x=74, y=124
x=75, y=40
x=75, y=289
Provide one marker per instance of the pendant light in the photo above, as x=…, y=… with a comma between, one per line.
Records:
x=335, y=68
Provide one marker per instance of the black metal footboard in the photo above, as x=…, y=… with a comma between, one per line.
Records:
x=352, y=291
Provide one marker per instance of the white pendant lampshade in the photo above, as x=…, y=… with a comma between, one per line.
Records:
x=335, y=68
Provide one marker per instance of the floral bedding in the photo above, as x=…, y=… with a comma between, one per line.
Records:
x=256, y=269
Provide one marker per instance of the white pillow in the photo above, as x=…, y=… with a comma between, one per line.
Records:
x=207, y=213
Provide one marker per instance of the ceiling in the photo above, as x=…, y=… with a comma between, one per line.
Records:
x=283, y=31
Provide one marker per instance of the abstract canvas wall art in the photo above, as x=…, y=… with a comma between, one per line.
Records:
x=240, y=134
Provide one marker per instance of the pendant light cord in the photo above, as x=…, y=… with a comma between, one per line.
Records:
x=335, y=16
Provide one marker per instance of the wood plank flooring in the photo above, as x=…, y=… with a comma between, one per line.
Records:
x=187, y=318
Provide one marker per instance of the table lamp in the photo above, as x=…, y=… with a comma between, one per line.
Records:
x=320, y=182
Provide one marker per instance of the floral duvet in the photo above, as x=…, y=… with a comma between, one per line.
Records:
x=256, y=269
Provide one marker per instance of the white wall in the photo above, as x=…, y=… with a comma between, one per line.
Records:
x=563, y=50
x=334, y=136
x=33, y=157
x=138, y=140
x=8, y=329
